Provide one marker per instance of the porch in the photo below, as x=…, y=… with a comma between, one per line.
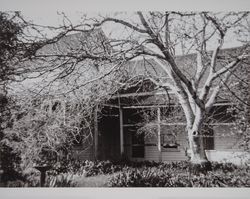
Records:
x=123, y=130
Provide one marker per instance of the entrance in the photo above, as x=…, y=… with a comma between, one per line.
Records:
x=109, y=136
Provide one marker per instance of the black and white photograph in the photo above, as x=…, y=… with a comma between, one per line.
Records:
x=124, y=98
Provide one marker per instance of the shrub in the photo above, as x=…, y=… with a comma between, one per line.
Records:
x=178, y=175
x=16, y=183
x=32, y=177
x=61, y=180
x=100, y=167
x=145, y=174
x=143, y=177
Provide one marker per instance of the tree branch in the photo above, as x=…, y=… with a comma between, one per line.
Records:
x=125, y=23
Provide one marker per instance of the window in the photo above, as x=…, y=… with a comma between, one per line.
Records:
x=138, y=145
x=208, y=138
x=169, y=137
x=169, y=141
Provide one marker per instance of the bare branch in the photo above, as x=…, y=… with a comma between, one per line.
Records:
x=121, y=22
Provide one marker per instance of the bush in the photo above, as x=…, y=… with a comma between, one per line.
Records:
x=100, y=167
x=177, y=174
x=145, y=174
x=32, y=177
x=144, y=177
x=61, y=180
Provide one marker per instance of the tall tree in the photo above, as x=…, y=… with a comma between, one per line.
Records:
x=157, y=35
x=9, y=50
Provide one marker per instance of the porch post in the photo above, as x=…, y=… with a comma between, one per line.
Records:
x=96, y=132
x=159, y=133
x=121, y=131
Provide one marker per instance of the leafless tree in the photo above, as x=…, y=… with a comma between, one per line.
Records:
x=158, y=36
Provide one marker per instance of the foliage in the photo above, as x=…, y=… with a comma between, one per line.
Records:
x=85, y=168
x=47, y=134
x=177, y=175
x=9, y=45
x=9, y=52
x=156, y=174
x=32, y=177
x=61, y=180
x=137, y=174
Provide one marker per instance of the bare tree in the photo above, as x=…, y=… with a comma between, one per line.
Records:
x=157, y=35
x=53, y=74
x=154, y=35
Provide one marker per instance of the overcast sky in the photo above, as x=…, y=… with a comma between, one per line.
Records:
x=46, y=9
x=44, y=12
x=44, y=6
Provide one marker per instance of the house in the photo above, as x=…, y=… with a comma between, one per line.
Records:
x=142, y=122
x=151, y=126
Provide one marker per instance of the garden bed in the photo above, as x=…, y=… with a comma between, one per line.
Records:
x=142, y=174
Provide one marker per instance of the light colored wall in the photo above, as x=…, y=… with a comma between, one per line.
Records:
x=152, y=152
x=226, y=148
x=225, y=138
x=236, y=157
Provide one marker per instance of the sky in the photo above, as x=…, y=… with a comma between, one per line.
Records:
x=45, y=12
x=44, y=6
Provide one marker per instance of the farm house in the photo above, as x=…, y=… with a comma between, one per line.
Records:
x=140, y=121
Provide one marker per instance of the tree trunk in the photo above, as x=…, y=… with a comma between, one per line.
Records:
x=198, y=159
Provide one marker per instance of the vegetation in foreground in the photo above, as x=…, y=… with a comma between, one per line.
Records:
x=138, y=174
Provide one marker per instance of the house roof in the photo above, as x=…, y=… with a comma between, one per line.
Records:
x=96, y=42
x=92, y=41
x=59, y=58
x=187, y=64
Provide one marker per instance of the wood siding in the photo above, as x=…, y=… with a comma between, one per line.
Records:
x=226, y=147
x=225, y=138
x=151, y=151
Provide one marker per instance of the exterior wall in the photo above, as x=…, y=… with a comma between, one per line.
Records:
x=151, y=150
x=226, y=147
x=225, y=139
x=236, y=157
x=226, y=144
